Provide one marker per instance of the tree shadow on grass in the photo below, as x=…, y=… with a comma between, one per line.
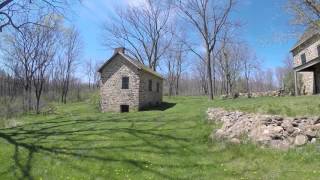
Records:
x=60, y=136
x=161, y=107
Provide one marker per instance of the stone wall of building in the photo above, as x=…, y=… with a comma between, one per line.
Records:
x=310, y=50
x=307, y=86
x=112, y=94
x=146, y=97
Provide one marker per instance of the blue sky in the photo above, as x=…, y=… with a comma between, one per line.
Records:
x=265, y=27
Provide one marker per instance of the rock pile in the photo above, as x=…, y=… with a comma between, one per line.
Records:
x=277, y=93
x=266, y=130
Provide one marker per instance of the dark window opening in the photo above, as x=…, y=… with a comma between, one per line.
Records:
x=318, y=48
x=303, y=58
x=124, y=108
x=158, y=87
x=125, y=82
x=150, y=85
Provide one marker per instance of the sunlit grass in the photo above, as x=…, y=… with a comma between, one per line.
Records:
x=79, y=142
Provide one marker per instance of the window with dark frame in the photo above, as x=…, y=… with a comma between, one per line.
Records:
x=124, y=108
x=150, y=85
x=318, y=48
x=158, y=87
x=303, y=58
x=125, y=83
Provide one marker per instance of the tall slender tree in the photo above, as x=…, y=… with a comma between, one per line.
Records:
x=209, y=18
x=68, y=60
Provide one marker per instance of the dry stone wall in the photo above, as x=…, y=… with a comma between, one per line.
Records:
x=266, y=130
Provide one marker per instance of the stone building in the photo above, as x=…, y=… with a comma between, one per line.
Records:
x=306, y=57
x=127, y=85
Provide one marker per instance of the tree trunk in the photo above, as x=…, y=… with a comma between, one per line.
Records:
x=177, y=86
x=248, y=88
x=213, y=67
x=209, y=74
x=38, y=105
x=29, y=96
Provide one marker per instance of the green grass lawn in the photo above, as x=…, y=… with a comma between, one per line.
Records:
x=79, y=142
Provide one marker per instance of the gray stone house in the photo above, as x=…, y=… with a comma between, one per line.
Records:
x=127, y=85
x=306, y=57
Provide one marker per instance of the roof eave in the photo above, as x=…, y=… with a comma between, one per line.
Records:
x=128, y=59
x=104, y=64
x=300, y=44
x=140, y=68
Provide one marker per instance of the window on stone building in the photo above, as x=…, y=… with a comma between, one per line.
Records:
x=318, y=49
x=150, y=85
x=124, y=108
x=303, y=58
x=125, y=82
x=158, y=87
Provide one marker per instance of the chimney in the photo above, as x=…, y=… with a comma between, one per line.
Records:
x=119, y=50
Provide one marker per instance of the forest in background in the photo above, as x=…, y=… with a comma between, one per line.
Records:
x=42, y=57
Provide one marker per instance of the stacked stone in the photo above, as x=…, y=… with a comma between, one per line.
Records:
x=277, y=93
x=265, y=130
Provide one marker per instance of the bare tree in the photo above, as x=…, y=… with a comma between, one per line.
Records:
x=280, y=76
x=68, y=60
x=19, y=13
x=90, y=71
x=269, y=80
x=250, y=63
x=171, y=76
x=230, y=58
x=175, y=63
x=210, y=19
x=180, y=55
x=21, y=52
x=96, y=74
x=28, y=53
x=306, y=12
x=201, y=76
x=285, y=76
x=144, y=31
x=48, y=37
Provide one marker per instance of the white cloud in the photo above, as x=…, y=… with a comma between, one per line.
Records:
x=135, y=3
x=98, y=10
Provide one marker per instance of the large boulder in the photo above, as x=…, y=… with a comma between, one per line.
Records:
x=310, y=134
x=300, y=140
x=219, y=133
x=235, y=141
x=280, y=144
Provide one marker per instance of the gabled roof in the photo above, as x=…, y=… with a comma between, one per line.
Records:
x=308, y=34
x=134, y=62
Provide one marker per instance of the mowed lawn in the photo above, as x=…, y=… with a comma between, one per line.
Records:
x=79, y=142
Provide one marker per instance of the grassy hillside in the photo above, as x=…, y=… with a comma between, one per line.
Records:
x=288, y=106
x=79, y=142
